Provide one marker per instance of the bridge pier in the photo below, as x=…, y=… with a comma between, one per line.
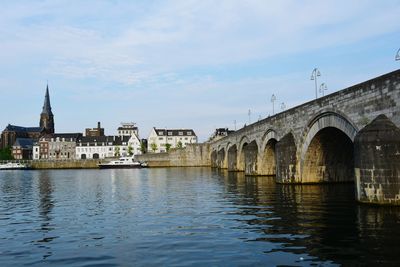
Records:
x=286, y=160
x=267, y=159
x=232, y=158
x=221, y=159
x=377, y=162
x=250, y=157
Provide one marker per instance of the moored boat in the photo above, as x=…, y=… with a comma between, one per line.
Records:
x=144, y=164
x=121, y=163
x=13, y=166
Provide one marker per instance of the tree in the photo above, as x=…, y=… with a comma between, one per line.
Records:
x=5, y=154
x=116, y=152
x=130, y=152
x=167, y=147
x=143, y=148
x=179, y=145
x=153, y=147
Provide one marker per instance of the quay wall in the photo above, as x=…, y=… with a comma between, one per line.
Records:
x=59, y=164
x=193, y=155
x=65, y=164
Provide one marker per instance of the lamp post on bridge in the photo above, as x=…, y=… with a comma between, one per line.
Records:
x=397, y=55
x=273, y=99
x=314, y=74
x=283, y=106
x=323, y=88
x=249, y=113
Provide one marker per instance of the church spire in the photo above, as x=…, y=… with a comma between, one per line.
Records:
x=46, y=117
x=46, y=105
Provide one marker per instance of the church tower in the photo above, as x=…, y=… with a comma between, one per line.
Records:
x=46, y=117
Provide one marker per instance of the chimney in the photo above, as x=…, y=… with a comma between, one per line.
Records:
x=98, y=125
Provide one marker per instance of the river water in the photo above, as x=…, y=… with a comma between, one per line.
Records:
x=187, y=217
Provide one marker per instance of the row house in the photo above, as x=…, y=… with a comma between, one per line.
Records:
x=100, y=147
x=22, y=148
x=56, y=146
x=160, y=139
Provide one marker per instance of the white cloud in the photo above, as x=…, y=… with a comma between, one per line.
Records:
x=153, y=51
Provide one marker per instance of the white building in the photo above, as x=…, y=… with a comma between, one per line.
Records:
x=100, y=147
x=159, y=138
x=128, y=129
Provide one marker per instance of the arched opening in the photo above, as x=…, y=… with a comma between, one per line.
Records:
x=95, y=156
x=232, y=158
x=250, y=154
x=329, y=157
x=269, y=159
x=83, y=156
x=214, y=159
x=221, y=158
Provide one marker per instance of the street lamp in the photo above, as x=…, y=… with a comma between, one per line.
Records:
x=315, y=73
x=398, y=55
x=283, y=106
x=249, y=113
x=323, y=88
x=273, y=98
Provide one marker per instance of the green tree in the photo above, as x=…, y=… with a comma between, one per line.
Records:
x=5, y=154
x=179, y=145
x=116, y=152
x=143, y=148
x=167, y=147
x=153, y=147
x=130, y=150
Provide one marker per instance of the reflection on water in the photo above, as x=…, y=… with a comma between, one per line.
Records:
x=187, y=216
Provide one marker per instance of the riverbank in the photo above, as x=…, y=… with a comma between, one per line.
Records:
x=193, y=155
x=59, y=164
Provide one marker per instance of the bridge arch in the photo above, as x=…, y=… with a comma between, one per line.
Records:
x=267, y=164
x=327, y=152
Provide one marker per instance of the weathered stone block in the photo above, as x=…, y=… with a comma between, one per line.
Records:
x=377, y=162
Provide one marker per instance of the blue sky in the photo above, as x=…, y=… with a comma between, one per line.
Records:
x=184, y=64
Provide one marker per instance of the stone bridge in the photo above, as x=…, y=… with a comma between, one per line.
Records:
x=349, y=135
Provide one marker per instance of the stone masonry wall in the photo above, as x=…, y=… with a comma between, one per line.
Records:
x=193, y=155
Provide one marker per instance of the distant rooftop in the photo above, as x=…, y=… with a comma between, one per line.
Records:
x=15, y=128
x=175, y=132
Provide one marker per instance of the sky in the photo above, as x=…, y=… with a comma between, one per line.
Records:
x=184, y=64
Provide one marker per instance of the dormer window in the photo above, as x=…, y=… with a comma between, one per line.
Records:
x=189, y=133
x=160, y=133
x=180, y=133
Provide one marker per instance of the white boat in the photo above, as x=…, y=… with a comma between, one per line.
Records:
x=13, y=166
x=121, y=163
x=144, y=164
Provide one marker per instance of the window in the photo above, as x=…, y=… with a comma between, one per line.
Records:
x=169, y=133
x=160, y=133
x=186, y=138
x=180, y=133
x=189, y=133
x=160, y=138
